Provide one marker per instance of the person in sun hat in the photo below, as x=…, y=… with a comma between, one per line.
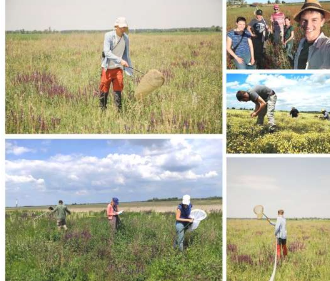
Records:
x=116, y=58
x=258, y=28
x=264, y=99
x=277, y=26
x=182, y=220
x=280, y=233
x=112, y=213
x=314, y=49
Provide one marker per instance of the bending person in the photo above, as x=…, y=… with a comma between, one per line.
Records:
x=280, y=233
x=314, y=49
x=182, y=220
x=240, y=46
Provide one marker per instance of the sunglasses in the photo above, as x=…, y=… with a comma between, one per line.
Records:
x=275, y=9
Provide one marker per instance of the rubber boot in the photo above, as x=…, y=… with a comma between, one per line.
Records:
x=278, y=248
x=103, y=100
x=117, y=95
x=285, y=251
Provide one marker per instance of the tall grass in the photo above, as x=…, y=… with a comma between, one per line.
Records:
x=52, y=84
x=306, y=134
x=142, y=249
x=251, y=251
x=275, y=57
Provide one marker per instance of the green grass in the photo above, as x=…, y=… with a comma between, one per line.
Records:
x=251, y=251
x=52, y=84
x=306, y=134
x=141, y=250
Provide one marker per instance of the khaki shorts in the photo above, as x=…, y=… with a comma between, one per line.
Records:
x=61, y=222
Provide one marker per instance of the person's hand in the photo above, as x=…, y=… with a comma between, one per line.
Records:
x=191, y=220
x=253, y=114
x=252, y=61
x=239, y=60
x=124, y=63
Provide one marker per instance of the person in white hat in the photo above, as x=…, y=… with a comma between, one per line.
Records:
x=182, y=220
x=314, y=49
x=116, y=58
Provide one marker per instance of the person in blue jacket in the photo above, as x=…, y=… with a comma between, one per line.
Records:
x=182, y=220
x=280, y=233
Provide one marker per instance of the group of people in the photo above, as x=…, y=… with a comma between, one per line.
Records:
x=182, y=216
x=245, y=45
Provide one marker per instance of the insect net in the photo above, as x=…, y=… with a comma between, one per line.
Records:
x=151, y=81
x=259, y=211
x=198, y=215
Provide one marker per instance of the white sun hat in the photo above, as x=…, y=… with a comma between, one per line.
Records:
x=121, y=22
x=186, y=199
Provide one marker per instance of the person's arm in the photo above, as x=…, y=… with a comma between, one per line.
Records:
x=249, y=29
x=271, y=24
x=271, y=223
x=178, y=214
x=261, y=103
x=107, y=51
x=290, y=38
x=231, y=52
x=67, y=210
x=278, y=226
x=251, y=51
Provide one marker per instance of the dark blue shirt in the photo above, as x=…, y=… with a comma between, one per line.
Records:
x=185, y=213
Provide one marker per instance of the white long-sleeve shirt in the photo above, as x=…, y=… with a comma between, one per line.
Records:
x=280, y=227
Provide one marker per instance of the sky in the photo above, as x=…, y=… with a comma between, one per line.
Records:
x=101, y=14
x=306, y=92
x=41, y=172
x=299, y=186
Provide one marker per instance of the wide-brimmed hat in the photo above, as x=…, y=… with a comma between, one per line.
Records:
x=312, y=5
x=121, y=22
x=186, y=199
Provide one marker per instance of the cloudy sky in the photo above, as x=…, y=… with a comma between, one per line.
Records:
x=300, y=186
x=40, y=172
x=101, y=14
x=307, y=92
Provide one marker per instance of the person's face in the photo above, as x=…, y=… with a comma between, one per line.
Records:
x=120, y=30
x=287, y=22
x=245, y=98
x=276, y=10
x=241, y=25
x=259, y=17
x=311, y=22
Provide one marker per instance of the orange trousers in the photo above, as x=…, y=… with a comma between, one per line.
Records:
x=114, y=76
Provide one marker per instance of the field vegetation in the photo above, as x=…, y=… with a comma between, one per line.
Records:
x=52, y=84
x=275, y=57
x=142, y=249
x=305, y=134
x=251, y=251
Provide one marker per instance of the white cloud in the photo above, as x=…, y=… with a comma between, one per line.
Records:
x=12, y=148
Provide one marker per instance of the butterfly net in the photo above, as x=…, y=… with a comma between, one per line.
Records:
x=198, y=215
x=151, y=81
x=259, y=211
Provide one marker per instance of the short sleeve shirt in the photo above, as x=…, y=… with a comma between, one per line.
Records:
x=287, y=32
x=243, y=47
x=258, y=26
x=260, y=90
x=278, y=21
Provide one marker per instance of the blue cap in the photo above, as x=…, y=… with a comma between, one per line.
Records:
x=115, y=200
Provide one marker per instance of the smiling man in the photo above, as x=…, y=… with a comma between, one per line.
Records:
x=314, y=49
x=264, y=99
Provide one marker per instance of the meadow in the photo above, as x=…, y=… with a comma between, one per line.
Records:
x=275, y=56
x=142, y=249
x=52, y=84
x=251, y=251
x=305, y=134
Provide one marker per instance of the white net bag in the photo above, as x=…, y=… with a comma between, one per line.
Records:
x=151, y=81
x=198, y=215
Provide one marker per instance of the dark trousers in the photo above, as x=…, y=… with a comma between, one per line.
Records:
x=258, y=47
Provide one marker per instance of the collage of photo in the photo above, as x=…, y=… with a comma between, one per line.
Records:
x=165, y=140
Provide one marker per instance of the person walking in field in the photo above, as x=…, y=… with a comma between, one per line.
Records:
x=294, y=112
x=182, y=220
x=60, y=212
x=112, y=213
x=325, y=115
x=258, y=28
x=288, y=39
x=314, y=49
x=239, y=45
x=280, y=233
x=116, y=58
x=264, y=99
x=277, y=26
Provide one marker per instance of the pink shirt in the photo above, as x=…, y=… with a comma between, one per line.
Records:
x=110, y=212
x=278, y=20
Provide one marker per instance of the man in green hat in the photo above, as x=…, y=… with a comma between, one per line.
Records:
x=60, y=211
